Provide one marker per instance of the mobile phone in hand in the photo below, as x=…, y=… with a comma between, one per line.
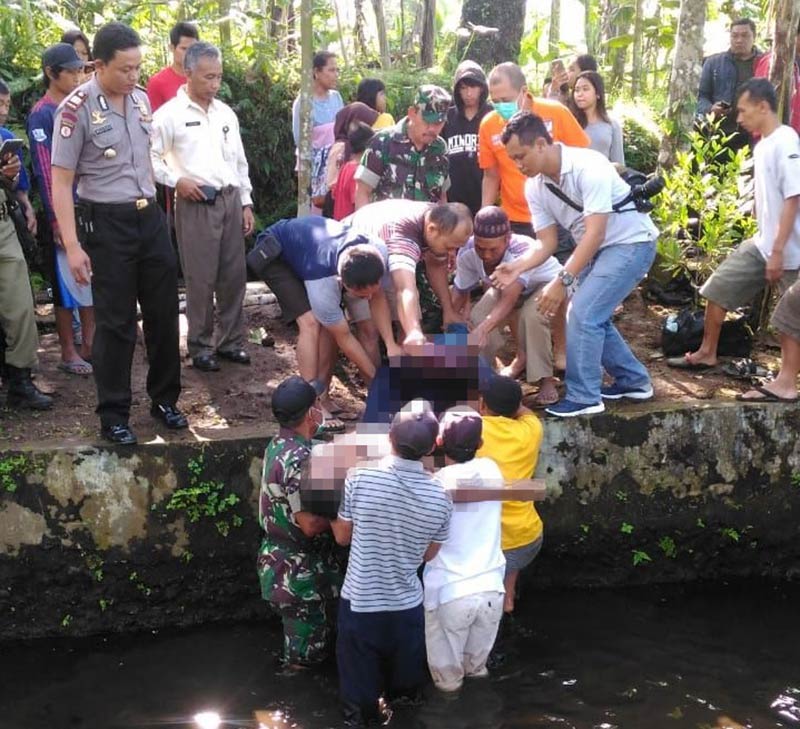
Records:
x=10, y=147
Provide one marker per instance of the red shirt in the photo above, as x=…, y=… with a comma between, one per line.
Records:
x=344, y=192
x=163, y=86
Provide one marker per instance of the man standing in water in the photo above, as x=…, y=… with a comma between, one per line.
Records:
x=297, y=569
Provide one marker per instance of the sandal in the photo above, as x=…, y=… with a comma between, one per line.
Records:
x=80, y=368
x=331, y=427
x=765, y=395
x=745, y=368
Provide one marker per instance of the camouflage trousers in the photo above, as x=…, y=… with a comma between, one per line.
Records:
x=307, y=630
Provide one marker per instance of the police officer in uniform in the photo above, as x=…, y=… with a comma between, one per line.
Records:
x=116, y=238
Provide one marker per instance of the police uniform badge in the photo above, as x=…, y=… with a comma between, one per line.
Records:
x=97, y=117
x=75, y=101
x=68, y=121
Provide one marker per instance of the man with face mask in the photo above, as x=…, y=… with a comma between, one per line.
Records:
x=509, y=93
x=408, y=160
x=299, y=575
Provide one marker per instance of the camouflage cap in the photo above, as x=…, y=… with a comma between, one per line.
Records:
x=432, y=102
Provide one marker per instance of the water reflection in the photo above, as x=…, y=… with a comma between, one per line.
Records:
x=652, y=659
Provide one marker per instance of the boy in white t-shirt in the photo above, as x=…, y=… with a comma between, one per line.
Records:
x=464, y=582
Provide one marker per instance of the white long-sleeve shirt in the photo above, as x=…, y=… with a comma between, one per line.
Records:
x=204, y=146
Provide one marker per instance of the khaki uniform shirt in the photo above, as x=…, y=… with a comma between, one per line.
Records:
x=109, y=151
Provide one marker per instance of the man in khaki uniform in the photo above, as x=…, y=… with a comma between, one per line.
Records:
x=197, y=149
x=103, y=139
x=491, y=244
x=16, y=305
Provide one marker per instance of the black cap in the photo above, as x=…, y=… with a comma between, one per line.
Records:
x=61, y=55
x=502, y=395
x=414, y=430
x=460, y=429
x=292, y=399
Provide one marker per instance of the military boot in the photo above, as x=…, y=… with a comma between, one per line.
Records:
x=22, y=393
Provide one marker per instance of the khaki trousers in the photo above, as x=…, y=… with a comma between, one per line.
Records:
x=16, y=301
x=533, y=334
x=211, y=247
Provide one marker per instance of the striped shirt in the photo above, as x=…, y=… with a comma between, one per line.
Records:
x=40, y=136
x=400, y=224
x=470, y=272
x=397, y=509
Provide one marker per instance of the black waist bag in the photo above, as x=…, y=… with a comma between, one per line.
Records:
x=266, y=249
x=683, y=332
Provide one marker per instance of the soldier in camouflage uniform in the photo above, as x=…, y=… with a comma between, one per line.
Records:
x=408, y=160
x=297, y=567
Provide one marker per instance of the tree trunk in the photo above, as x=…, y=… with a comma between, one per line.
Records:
x=685, y=78
x=224, y=10
x=427, y=40
x=784, y=29
x=358, y=30
x=620, y=25
x=590, y=30
x=342, y=44
x=489, y=49
x=554, y=33
x=304, y=151
x=383, y=40
x=637, y=70
x=291, y=25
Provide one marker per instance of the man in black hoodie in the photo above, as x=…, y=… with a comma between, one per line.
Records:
x=470, y=93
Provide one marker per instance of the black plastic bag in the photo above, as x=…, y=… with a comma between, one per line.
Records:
x=683, y=332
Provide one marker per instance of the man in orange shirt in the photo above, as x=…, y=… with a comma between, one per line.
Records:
x=509, y=93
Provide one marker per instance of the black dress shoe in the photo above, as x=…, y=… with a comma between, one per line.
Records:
x=206, y=362
x=120, y=434
x=235, y=355
x=173, y=418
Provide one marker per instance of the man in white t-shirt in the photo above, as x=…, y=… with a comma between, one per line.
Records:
x=464, y=581
x=773, y=255
x=616, y=244
x=491, y=244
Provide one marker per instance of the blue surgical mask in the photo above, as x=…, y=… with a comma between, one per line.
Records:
x=506, y=109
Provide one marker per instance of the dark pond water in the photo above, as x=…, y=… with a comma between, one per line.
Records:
x=644, y=659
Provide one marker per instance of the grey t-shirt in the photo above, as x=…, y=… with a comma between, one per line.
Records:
x=606, y=138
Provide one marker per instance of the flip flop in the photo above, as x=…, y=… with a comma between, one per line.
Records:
x=684, y=363
x=82, y=368
x=767, y=396
x=332, y=426
x=537, y=403
x=745, y=369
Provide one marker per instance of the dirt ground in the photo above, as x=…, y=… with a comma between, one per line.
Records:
x=234, y=402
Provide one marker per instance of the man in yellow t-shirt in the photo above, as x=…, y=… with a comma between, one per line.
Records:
x=512, y=435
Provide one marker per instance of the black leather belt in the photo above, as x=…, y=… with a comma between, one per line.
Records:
x=135, y=205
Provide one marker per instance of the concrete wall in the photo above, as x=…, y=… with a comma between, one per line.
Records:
x=115, y=539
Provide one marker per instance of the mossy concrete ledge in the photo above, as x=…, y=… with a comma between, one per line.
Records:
x=110, y=539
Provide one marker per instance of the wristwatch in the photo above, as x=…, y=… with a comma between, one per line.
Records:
x=566, y=277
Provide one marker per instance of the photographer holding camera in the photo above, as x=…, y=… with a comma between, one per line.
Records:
x=616, y=244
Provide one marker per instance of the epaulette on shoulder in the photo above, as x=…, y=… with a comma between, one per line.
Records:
x=77, y=100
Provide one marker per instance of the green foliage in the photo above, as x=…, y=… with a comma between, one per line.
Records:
x=626, y=528
x=10, y=468
x=796, y=479
x=703, y=212
x=641, y=139
x=205, y=498
x=263, y=103
x=668, y=547
x=730, y=533
x=620, y=495
x=640, y=557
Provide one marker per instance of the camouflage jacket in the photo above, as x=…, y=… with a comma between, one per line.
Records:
x=291, y=566
x=395, y=168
